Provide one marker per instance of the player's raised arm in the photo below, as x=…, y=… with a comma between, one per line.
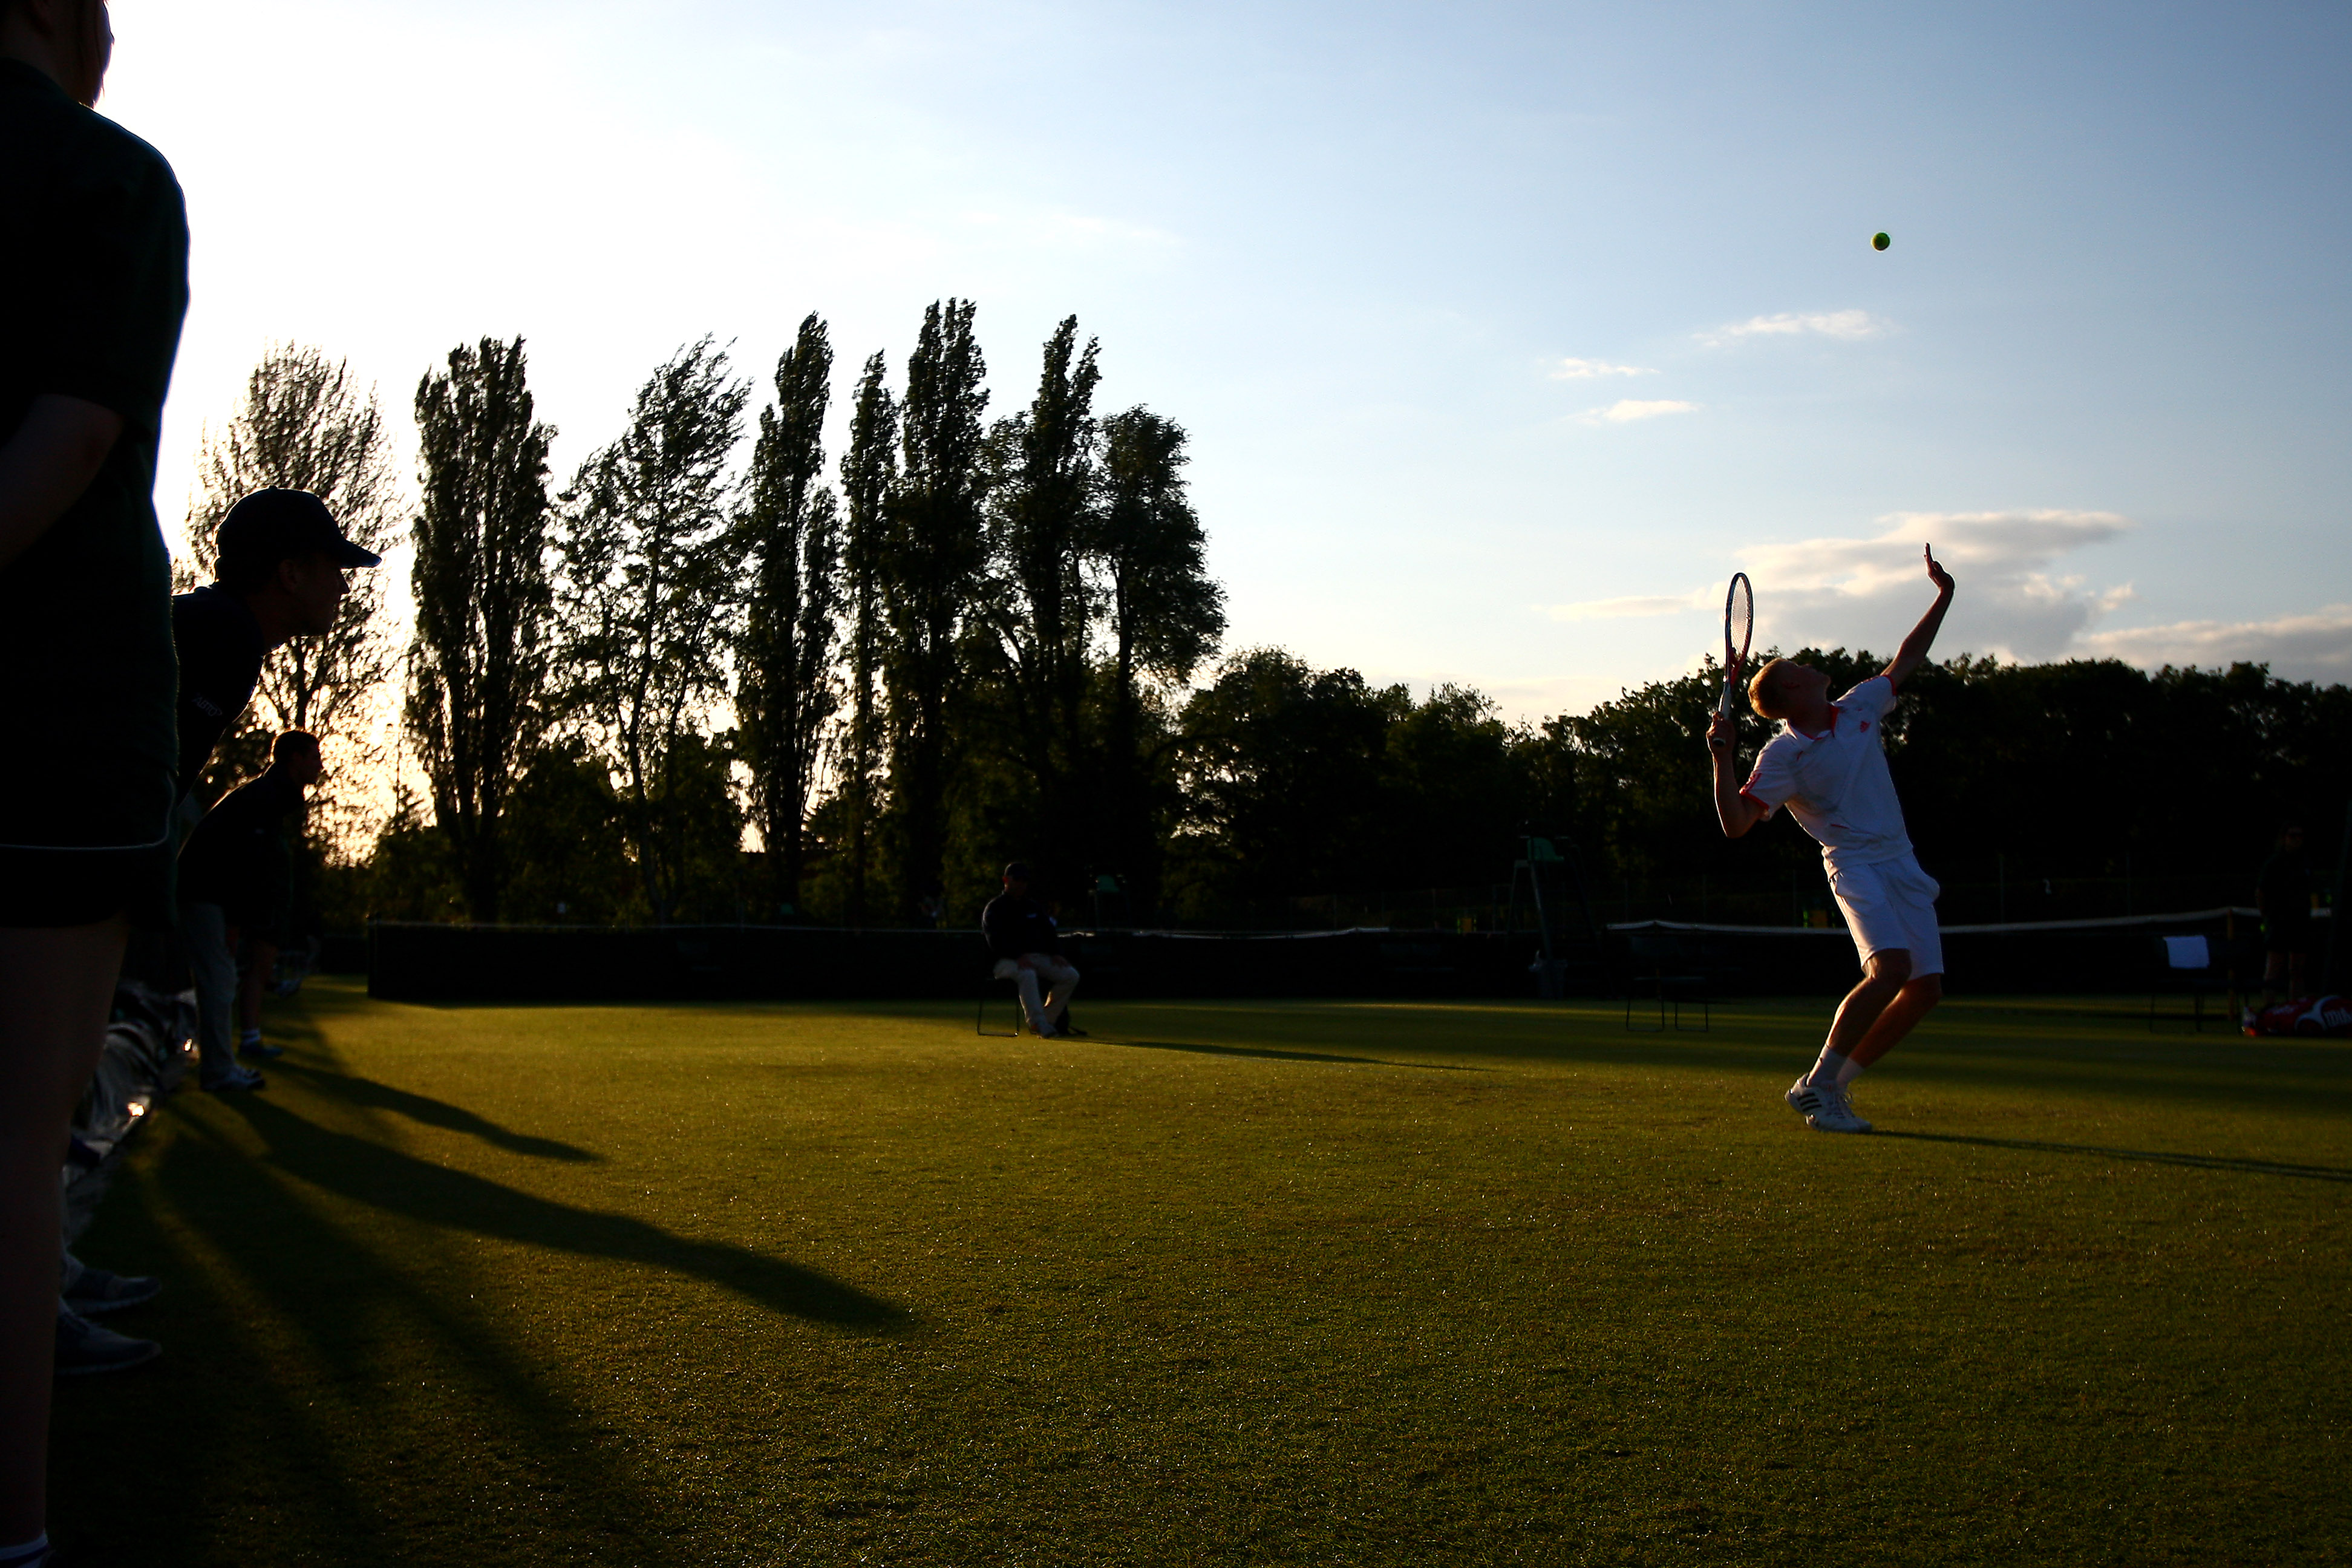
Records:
x=1736, y=811
x=1913, y=650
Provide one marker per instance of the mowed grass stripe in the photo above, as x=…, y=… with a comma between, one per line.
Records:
x=1230, y=1283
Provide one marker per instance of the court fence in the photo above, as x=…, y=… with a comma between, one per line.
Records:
x=450, y=963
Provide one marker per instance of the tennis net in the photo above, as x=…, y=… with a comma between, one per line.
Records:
x=2115, y=955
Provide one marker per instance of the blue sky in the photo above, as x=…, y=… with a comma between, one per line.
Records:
x=1504, y=333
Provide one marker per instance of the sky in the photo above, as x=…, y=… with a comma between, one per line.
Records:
x=1503, y=333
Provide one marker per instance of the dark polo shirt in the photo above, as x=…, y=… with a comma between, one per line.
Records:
x=1014, y=925
x=221, y=650
x=2284, y=890
x=94, y=264
x=238, y=858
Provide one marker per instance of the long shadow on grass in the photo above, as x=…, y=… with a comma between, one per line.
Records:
x=295, y=1408
x=368, y=1094
x=1285, y=1056
x=368, y=1171
x=2201, y=1162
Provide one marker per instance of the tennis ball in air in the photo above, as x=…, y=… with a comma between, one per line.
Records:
x=1879, y=242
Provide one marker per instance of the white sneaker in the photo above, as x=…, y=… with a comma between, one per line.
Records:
x=1834, y=1112
x=1803, y=1096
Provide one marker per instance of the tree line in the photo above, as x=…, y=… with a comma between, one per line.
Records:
x=2089, y=770
x=799, y=686
x=964, y=632
x=1294, y=781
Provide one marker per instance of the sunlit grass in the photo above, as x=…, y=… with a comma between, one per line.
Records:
x=1230, y=1283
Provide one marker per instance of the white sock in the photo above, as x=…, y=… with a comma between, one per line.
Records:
x=1826, y=1070
x=1851, y=1070
x=24, y=1550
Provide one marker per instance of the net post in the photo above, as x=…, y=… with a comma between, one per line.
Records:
x=2230, y=951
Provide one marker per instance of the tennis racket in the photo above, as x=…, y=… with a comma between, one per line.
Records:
x=1738, y=626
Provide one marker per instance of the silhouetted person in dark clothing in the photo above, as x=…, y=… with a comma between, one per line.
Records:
x=236, y=880
x=1022, y=937
x=2285, y=895
x=94, y=269
x=281, y=561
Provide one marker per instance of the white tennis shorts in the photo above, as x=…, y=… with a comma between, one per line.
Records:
x=1891, y=904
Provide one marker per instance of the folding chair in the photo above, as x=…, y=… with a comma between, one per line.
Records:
x=1672, y=991
x=1004, y=968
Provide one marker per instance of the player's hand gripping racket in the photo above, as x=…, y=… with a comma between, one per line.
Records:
x=1738, y=626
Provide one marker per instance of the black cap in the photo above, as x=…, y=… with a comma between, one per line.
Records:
x=272, y=525
x=1017, y=872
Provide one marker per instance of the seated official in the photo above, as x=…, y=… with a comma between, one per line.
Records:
x=236, y=881
x=1023, y=939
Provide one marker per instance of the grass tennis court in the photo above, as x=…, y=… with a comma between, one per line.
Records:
x=1230, y=1283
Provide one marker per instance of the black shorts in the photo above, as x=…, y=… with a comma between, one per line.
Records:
x=86, y=843
x=269, y=925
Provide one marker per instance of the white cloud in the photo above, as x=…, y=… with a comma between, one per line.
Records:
x=1869, y=591
x=1843, y=324
x=2317, y=645
x=1593, y=369
x=2005, y=543
x=2015, y=600
x=1630, y=608
x=1627, y=409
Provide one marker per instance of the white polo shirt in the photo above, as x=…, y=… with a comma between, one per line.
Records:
x=1836, y=782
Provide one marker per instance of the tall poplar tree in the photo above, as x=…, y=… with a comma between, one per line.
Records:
x=480, y=659
x=788, y=537
x=1164, y=613
x=930, y=562
x=1044, y=468
x=869, y=476
x=644, y=595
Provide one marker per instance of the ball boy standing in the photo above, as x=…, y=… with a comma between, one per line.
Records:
x=1828, y=765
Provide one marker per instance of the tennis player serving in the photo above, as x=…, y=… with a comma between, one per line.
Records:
x=1829, y=767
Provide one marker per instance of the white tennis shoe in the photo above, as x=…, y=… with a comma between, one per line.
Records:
x=1803, y=1096
x=1834, y=1113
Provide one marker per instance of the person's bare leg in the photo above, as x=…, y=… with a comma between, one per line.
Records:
x=2273, y=969
x=1899, y=1018
x=56, y=988
x=1882, y=981
x=2296, y=976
